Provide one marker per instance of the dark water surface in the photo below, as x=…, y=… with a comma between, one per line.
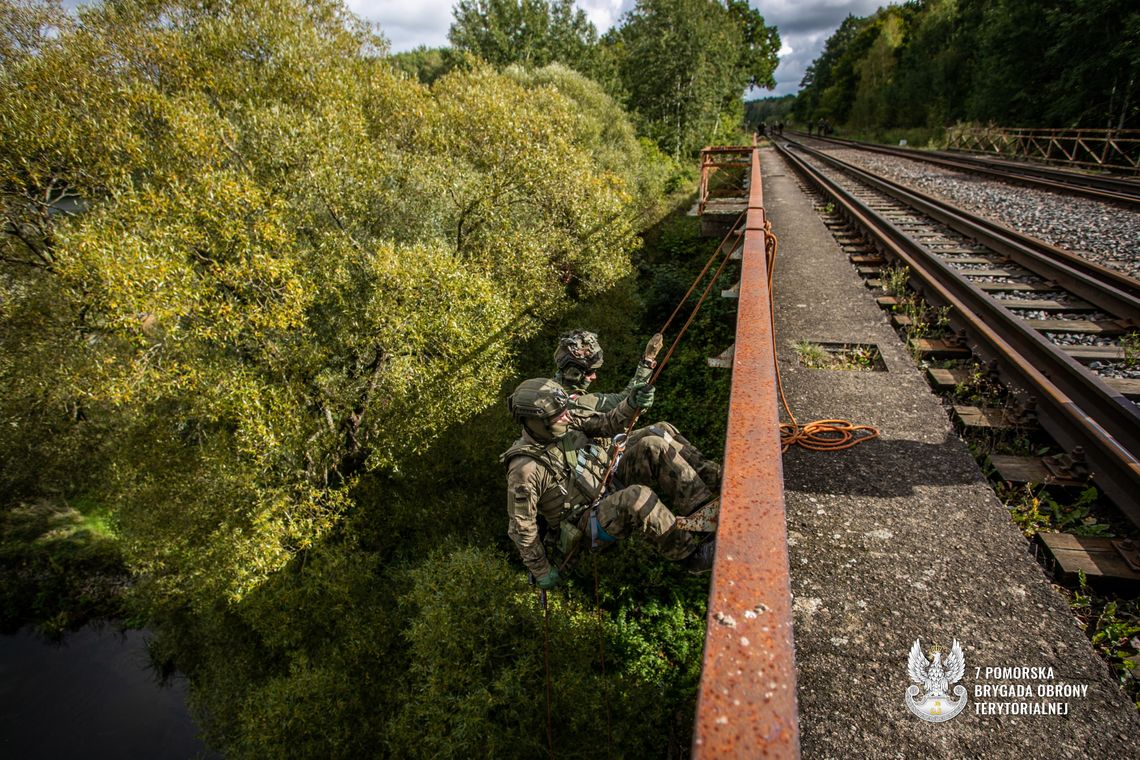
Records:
x=92, y=696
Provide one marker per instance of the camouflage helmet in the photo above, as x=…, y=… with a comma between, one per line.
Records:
x=538, y=400
x=579, y=348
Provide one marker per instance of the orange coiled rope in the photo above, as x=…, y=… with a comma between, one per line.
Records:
x=820, y=435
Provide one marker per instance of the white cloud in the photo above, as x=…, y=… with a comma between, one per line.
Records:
x=605, y=13
x=408, y=25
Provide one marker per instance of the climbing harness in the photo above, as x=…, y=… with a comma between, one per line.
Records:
x=598, y=536
x=615, y=453
x=656, y=343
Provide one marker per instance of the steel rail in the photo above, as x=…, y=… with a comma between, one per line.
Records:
x=746, y=702
x=1073, y=405
x=1112, y=291
x=1109, y=189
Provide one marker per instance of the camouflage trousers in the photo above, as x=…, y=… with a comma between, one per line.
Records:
x=658, y=460
x=637, y=508
x=660, y=457
x=708, y=471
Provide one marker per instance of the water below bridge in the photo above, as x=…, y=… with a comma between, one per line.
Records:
x=91, y=696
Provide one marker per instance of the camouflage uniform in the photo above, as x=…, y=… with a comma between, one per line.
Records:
x=559, y=479
x=579, y=350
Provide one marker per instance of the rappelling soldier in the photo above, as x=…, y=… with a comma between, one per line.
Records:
x=555, y=472
x=578, y=358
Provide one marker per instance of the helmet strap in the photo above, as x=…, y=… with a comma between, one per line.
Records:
x=538, y=430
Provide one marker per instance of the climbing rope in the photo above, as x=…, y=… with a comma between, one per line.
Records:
x=602, y=656
x=733, y=232
x=546, y=665
x=820, y=435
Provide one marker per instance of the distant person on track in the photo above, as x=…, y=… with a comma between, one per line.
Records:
x=554, y=476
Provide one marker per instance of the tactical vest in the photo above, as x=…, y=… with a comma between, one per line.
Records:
x=575, y=462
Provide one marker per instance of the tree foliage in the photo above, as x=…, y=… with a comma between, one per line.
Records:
x=293, y=265
x=527, y=32
x=1011, y=62
x=683, y=64
x=261, y=290
x=427, y=64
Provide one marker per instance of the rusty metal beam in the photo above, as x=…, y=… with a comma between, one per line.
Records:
x=746, y=704
x=718, y=157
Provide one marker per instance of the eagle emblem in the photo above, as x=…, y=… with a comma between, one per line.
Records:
x=933, y=680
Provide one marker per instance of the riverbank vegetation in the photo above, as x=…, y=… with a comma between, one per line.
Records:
x=262, y=293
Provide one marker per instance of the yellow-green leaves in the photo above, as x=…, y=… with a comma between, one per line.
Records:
x=284, y=263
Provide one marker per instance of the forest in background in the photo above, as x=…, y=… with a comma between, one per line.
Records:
x=1013, y=63
x=263, y=289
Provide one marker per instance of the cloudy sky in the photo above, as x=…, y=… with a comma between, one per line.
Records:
x=804, y=25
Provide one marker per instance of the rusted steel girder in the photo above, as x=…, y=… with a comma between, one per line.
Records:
x=714, y=158
x=746, y=705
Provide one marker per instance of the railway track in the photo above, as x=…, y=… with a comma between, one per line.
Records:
x=1125, y=192
x=1041, y=315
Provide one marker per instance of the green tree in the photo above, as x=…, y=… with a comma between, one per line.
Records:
x=1011, y=62
x=25, y=25
x=683, y=63
x=1010, y=81
x=426, y=64
x=875, y=71
x=828, y=85
x=760, y=45
x=767, y=110
x=260, y=296
x=932, y=78
x=286, y=248
x=528, y=32
x=1095, y=52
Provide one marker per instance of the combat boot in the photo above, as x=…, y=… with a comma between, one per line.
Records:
x=701, y=560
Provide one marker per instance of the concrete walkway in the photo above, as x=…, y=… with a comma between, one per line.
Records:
x=900, y=539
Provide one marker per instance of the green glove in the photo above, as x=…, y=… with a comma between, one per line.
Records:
x=641, y=396
x=550, y=580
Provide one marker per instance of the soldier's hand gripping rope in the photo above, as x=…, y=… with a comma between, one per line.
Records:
x=557, y=470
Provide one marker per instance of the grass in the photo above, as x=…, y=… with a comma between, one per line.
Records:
x=1131, y=345
x=917, y=137
x=851, y=358
x=1113, y=627
x=1034, y=509
x=925, y=320
x=60, y=565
